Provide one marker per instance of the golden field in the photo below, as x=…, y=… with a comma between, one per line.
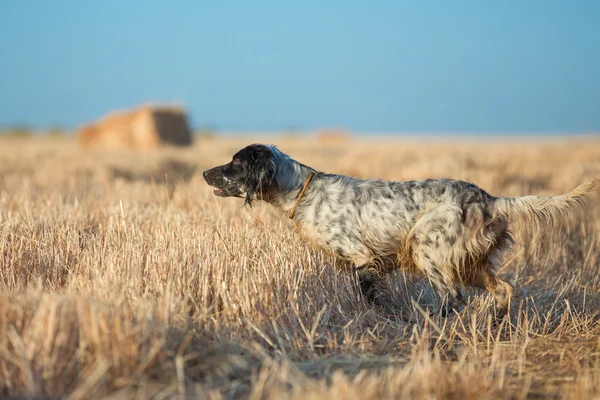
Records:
x=122, y=276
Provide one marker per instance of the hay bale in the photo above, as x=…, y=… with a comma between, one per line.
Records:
x=145, y=127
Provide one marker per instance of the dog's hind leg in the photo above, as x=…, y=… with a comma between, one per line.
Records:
x=434, y=245
x=499, y=288
x=441, y=279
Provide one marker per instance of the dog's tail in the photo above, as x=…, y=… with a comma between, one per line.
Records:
x=538, y=214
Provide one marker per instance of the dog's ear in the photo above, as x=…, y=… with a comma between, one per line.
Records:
x=260, y=173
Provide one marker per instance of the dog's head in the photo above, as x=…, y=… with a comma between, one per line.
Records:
x=250, y=174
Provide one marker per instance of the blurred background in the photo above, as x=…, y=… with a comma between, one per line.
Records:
x=239, y=68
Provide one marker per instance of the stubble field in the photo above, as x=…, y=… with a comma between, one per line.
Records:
x=122, y=276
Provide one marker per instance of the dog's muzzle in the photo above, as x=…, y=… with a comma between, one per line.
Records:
x=222, y=189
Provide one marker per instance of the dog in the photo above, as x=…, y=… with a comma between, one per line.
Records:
x=450, y=231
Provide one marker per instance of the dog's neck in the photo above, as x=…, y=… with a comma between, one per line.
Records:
x=290, y=177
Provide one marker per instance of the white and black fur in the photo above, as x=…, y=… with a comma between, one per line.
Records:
x=451, y=231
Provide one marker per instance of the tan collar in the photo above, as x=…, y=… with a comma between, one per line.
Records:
x=293, y=210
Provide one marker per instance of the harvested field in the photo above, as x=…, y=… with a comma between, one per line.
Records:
x=122, y=276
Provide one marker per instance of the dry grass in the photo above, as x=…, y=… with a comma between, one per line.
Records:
x=122, y=276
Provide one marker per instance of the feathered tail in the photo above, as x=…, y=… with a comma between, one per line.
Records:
x=545, y=214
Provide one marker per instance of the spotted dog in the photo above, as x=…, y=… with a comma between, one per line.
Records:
x=451, y=231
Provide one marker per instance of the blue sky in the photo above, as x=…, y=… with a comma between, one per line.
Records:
x=373, y=66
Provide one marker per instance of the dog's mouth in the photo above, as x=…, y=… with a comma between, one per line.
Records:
x=226, y=193
x=220, y=192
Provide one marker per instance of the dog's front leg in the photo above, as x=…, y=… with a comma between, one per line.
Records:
x=368, y=281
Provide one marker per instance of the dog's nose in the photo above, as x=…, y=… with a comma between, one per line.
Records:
x=205, y=174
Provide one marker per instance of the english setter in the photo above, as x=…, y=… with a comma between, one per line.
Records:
x=451, y=231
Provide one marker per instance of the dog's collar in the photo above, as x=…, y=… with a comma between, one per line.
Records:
x=293, y=210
